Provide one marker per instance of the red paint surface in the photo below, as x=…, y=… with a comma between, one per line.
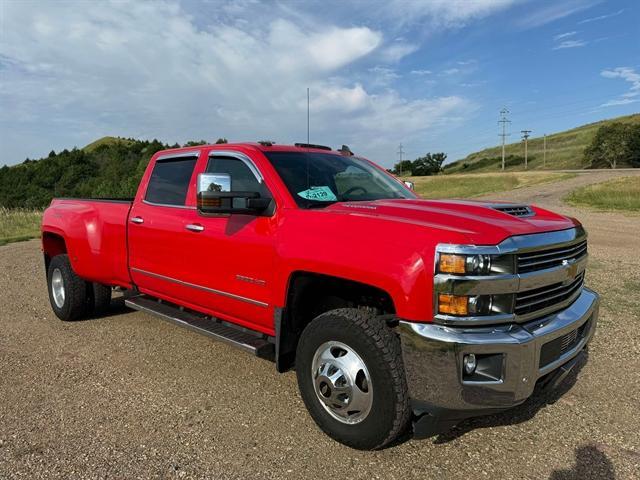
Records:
x=388, y=244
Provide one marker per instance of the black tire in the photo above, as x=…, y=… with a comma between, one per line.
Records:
x=379, y=348
x=101, y=296
x=74, y=305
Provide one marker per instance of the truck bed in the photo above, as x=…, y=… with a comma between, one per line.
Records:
x=95, y=232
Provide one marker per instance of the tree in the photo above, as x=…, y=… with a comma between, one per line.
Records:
x=405, y=167
x=610, y=146
x=634, y=145
x=221, y=140
x=195, y=143
x=430, y=164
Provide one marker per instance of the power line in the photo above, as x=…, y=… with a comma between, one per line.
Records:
x=503, y=120
x=525, y=136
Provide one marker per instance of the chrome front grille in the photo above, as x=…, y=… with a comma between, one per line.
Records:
x=549, y=258
x=543, y=298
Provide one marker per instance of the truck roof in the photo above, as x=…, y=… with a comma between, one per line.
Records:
x=263, y=146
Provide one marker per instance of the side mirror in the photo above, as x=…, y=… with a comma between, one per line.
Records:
x=216, y=197
x=410, y=185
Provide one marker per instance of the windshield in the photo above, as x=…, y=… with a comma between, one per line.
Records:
x=320, y=179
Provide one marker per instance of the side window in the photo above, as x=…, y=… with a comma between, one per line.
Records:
x=169, y=181
x=242, y=178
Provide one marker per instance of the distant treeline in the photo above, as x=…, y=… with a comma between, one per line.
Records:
x=429, y=164
x=110, y=169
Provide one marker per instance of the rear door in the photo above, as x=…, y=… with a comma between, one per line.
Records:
x=156, y=227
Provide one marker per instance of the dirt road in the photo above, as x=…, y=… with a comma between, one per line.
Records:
x=129, y=396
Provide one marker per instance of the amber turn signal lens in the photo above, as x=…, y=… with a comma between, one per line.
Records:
x=450, y=263
x=452, y=304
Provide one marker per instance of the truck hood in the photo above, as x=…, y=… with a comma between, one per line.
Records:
x=483, y=223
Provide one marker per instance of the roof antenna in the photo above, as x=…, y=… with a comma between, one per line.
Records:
x=307, y=115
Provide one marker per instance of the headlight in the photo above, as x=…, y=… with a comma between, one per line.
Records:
x=476, y=264
x=461, y=264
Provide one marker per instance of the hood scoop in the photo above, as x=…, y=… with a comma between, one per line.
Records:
x=515, y=210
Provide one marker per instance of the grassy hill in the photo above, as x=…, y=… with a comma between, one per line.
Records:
x=109, y=141
x=564, y=151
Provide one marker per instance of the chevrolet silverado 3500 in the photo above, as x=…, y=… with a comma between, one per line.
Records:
x=395, y=311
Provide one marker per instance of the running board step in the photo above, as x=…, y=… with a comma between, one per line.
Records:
x=209, y=326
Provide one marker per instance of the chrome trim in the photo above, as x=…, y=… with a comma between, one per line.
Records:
x=520, y=243
x=200, y=287
x=137, y=220
x=194, y=227
x=190, y=153
x=508, y=283
x=240, y=156
x=185, y=207
x=433, y=354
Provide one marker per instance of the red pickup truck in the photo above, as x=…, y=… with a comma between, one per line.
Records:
x=395, y=311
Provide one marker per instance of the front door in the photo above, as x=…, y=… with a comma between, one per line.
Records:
x=229, y=259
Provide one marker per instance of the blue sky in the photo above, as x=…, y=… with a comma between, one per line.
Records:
x=431, y=75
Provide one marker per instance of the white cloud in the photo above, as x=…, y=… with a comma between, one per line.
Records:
x=421, y=72
x=563, y=35
x=570, y=44
x=383, y=76
x=601, y=17
x=148, y=69
x=555, y=11
x=397, y=51
x=440, y=12
x=450, y=71
x=630, y=76
x=621, y=101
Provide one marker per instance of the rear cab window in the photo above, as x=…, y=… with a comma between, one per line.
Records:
x=169, y=181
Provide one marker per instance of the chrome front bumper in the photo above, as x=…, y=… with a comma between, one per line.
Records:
x=433, y=357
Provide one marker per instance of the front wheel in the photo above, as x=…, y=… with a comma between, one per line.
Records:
x=67, y=291
x=351, y=378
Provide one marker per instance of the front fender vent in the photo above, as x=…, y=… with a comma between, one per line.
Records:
x=515, y=210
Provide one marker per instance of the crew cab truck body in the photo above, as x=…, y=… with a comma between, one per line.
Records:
x=392, y=309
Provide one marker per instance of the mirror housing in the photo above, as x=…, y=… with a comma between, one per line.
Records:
x=216, y=197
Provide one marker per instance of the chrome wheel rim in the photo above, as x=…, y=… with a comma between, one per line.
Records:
x=57, y=287
x=342, y=382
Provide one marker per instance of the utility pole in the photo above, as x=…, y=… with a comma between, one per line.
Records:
x=544, y=151
x=503, y=120
x=525, y=137
x=400, y=153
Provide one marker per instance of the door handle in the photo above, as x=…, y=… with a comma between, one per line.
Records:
x=137, y=220
x=194, y=227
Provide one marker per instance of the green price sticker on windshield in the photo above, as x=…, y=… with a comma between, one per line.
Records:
x=320, y=194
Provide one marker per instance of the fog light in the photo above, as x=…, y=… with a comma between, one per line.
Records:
x=469, y=363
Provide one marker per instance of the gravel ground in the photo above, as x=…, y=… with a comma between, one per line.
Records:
x=130, y=396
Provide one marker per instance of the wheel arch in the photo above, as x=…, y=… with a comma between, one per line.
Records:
x=310, y=294
x=52, y=244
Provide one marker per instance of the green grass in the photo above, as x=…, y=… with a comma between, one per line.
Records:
x=19, y=224
x=565, y=150
x=617, y=194
x=107, y=141
x=465, y=186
